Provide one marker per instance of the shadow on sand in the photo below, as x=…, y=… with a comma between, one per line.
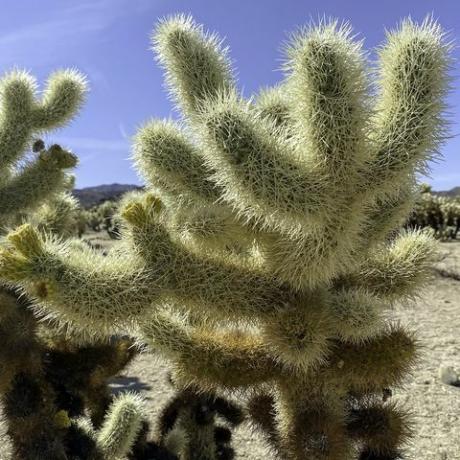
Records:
x=123, y=383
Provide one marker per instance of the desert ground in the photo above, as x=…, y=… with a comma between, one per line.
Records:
x=434, y=404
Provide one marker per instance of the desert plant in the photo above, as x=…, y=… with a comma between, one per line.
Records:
x=114, y=439
x=58, y=216
x=103, y=216
x=440, y=213
x=41, y=387
x=107, y=211
x=198, y=426
x=27, y=397
x=450, y=208
x=265, y=250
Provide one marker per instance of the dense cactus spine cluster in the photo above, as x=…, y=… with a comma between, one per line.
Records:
x=254, y=257
x=27, y=395
x=197, y=425
x=48, y=379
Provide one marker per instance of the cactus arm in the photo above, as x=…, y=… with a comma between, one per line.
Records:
x=396, y=271
x=195, y=62
x=261, y=176
x=326, y=79
x=230, y=292
x=92, y=292
x=36, y=181
x=117, y=435
x=99, y=293
x=387, y=215
x=161, y=150
x=210, y=286
x=212, y=359
x=382, y=428
x=59, y=216
x=393, y=349
x=298, y=336
x=408, y=126
x=358, y=314
x=309, y=426
x=212, y=231
x=17, y=92
x=261, y=410
x=308, y=260
x=21, y=115
x=121, y=426
x=198, y=219
x=274, y=106
x=62, y=99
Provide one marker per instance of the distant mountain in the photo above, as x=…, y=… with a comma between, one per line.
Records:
x=454, y=192
x=91, y=196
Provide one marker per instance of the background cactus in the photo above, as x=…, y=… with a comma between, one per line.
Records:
x=266, y=249
x=197, y=425
x=48, y=375
x=27, y=183
x=440, y=213
x=116, y=436
x=101, y=217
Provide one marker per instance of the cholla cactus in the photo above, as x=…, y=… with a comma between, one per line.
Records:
x=22, y=117
x=46, y=379
x=59, y=215
x=108, y=210
x=115, y=438
x=427, y=212
x=24, y=186
x=450, y=208
x=103, y=216
x=266, y=249
x=190, y=425
x=440, y=213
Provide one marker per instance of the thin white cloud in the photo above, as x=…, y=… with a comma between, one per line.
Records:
x=122, y=130
x=69, y=26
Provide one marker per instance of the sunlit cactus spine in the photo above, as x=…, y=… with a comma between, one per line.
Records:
x=47, y=378
x=59, y=215
x=25, y=187
x=266, y=249
x=114, y=439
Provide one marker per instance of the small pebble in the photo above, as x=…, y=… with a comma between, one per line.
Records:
x=448, y=375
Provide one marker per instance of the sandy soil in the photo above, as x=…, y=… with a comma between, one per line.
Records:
x=435, y=406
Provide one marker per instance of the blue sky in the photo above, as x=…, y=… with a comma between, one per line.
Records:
x=108, y=40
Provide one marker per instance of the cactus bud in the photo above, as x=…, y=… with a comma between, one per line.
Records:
x=38, y=145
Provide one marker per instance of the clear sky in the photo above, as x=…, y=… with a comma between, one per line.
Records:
x=108, y=40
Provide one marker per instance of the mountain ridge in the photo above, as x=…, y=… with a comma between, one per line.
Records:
x=97, y=194
x=92, y=196
x=453, y=192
